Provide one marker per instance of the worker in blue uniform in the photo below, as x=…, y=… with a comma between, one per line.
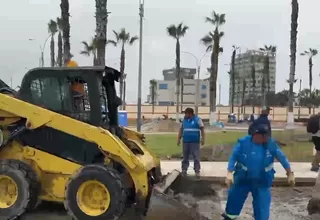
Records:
x=192, y=133
x=262, y=119
x=250, y=169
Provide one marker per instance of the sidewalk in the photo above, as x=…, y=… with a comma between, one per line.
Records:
x=216, y=171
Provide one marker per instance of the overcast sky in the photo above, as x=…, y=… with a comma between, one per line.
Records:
x=249, y=24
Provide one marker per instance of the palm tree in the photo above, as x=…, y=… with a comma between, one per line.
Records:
x=90, y=49
x=293, y=51
x=177, y=32
x=212, y=41
x=253, y=78
x=101, y=31
x=310, y=53
x=153, y=85
x=232, y=72
x=60, y=51
x=269, y=51
x=64, y=6
x=122, y=38
x=52, y=29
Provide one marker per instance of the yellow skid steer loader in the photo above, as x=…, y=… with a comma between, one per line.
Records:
x=58, y=144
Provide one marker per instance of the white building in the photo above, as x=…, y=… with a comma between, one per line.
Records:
x=165, y=93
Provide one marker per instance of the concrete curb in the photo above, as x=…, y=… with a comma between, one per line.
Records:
x=278, y=181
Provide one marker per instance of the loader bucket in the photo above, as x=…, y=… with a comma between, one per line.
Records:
x=163, y=205
x=180, y=197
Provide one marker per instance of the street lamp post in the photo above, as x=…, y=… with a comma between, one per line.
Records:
x=41, y=60
x=198, y=62
x=141, y=14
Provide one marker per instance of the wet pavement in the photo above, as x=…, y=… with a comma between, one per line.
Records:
x=287, y=204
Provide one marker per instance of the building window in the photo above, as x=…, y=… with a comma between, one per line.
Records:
x=163, y=86
x=203, y=96
x=204, y=87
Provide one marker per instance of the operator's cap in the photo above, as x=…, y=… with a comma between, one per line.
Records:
x=261, y=129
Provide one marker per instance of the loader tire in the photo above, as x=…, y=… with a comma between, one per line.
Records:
x=107, y=189
x=19, y=189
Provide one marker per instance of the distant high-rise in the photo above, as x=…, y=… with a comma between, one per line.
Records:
x=243, y=71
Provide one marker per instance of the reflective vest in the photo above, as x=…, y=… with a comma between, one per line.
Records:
x=246, y=171
x=191, y=130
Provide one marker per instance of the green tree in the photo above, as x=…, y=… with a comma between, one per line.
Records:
x=90, y=49
x=212, y=41
x=310, y=53
x=52, y=29
x=122, y=38
x=101, y=31
x=177, y=32
x=64, y=6
x=60, y=51
x=153, y=86
x=269, y=50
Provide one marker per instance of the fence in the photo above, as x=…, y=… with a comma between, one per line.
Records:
x=276, y=114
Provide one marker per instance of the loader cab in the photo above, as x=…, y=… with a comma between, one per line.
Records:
x=78, y=92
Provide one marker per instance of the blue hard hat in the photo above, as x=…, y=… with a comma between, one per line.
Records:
x=261, y=129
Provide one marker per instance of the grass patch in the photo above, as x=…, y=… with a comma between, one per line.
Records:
x=219, y=145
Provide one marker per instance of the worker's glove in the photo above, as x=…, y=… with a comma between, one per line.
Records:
x=291, y=179
x=229, y=179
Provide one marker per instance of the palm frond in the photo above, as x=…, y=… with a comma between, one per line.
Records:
x=209, y=48
x=133, y=39
x=172, y=31
x=84, y=53
x=85, y=44
x=207, y=40
x=209, y=20
x=52, y=27
x=114, y=43
x=116, y=35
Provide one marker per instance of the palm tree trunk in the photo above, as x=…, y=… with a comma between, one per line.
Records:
x=124, y=94
x=59, y=58
x=66, y=30
x=122, y=66
x=181, y=93
x=233, y=58
x=153, y=97
x=293, y=51
x=52, y=51
x=178, y=75
x=310, y=82
x=101, y=30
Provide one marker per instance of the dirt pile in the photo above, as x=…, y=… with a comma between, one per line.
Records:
x=200, y=197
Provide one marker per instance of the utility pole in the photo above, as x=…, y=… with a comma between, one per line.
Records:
x=141, y=14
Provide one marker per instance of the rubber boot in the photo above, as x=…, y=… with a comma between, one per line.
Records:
x=225, y=217
x=315, y=162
